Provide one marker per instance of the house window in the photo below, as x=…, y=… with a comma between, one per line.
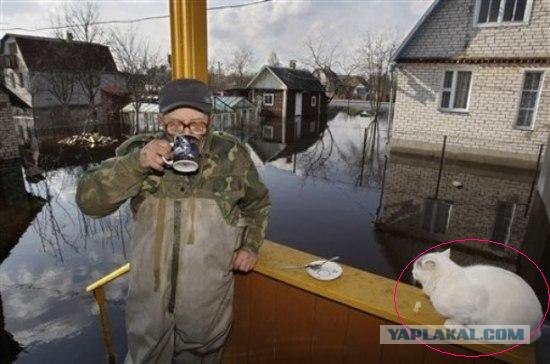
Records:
x=504, y=219
x=267, y=132
x=456, y=90
x=268, y=99
x=21, y=80
x=436, y=215
x=13, y=48
x=12, y=80
x=532, y=85
x=502, y=12
x=313, y=100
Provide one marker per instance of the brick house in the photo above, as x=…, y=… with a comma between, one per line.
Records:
x=476, y=71
x=12, y=188
x=291, y=102
x=61, y=78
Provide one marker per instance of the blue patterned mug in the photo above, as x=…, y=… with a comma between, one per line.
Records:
x=186, y=154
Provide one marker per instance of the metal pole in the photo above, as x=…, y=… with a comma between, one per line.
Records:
x=535, y=178
x=99, y=295
x=188, y=39
x=363, y=157
x=382, y=190
x=441, y=160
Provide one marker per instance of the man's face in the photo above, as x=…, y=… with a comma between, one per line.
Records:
x=185, y=121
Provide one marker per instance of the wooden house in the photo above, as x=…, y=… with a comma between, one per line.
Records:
x=290, y=102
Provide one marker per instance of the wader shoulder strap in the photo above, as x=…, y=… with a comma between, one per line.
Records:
x=159, y=236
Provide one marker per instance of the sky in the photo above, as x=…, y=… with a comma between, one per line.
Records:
x=279, y=25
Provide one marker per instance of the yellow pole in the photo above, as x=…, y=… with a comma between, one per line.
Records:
x=188, y=39
x=109, y=277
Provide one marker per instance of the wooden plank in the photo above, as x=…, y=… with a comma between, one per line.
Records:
x=407, y=353
x=262, y=319
x=363, y=338
x=434, y=357
x=329, y=331
x=236, y=349
x=293, y=327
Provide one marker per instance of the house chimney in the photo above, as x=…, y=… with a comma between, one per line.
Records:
x=292, y=64
x=69, y=36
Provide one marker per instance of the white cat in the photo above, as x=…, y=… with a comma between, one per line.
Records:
x=477, y=295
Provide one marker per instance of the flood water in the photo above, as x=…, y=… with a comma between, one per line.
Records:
x=332, y=194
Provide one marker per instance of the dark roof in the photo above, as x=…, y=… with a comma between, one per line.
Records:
x=47, y=54
x=296, y=79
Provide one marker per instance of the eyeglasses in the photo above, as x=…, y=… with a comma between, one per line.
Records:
x=196, y=126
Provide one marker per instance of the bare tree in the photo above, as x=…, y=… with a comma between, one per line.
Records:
x=217, y=77
x=78, y=22
x=273, y=60
x=240, y=64
x=79, y=19
x=139, y=64
x=373, y=59
x=324, y=56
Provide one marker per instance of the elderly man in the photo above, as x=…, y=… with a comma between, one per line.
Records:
x=191, y=230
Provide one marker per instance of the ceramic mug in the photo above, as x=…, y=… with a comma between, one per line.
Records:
x=186, y=154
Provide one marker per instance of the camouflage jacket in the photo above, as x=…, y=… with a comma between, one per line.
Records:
x=226, y=174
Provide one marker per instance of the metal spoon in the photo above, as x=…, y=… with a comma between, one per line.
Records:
x=310, y=265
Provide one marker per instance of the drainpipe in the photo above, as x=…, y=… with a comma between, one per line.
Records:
x=390, y=106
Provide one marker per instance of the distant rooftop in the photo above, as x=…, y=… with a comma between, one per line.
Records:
x=296, y=79
x=47, y=54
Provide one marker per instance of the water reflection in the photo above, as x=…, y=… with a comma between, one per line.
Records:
x=468, y=201
x=55, y=251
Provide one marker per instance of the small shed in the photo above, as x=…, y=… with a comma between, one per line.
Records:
x=231, y=112
x=146, y=120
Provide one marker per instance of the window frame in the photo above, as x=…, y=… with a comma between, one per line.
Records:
x=313, y=100
x=536, y=108
x=267, y=127
x=272, y=99
x=500, y=22
x=453, y=90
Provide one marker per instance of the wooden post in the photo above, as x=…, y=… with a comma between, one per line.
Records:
x=188, y=39
x=99, y=295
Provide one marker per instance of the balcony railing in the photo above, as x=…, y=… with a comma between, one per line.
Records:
x=287, y=316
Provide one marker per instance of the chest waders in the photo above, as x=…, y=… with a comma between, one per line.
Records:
x=181, y=284
x=186, y=229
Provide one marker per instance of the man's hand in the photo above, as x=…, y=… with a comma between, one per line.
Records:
x=151, y=154
x=244, y=260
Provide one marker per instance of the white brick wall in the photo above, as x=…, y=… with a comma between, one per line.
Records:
x=493, y=108
x=450, y=32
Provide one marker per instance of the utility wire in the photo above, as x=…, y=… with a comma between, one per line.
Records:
x=129, y=21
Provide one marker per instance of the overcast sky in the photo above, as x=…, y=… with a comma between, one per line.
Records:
x=279, y=25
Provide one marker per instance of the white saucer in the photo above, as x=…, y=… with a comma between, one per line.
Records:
x=327, y=272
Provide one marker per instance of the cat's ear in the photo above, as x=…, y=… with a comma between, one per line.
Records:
x=428, y=264
x=447, y=253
